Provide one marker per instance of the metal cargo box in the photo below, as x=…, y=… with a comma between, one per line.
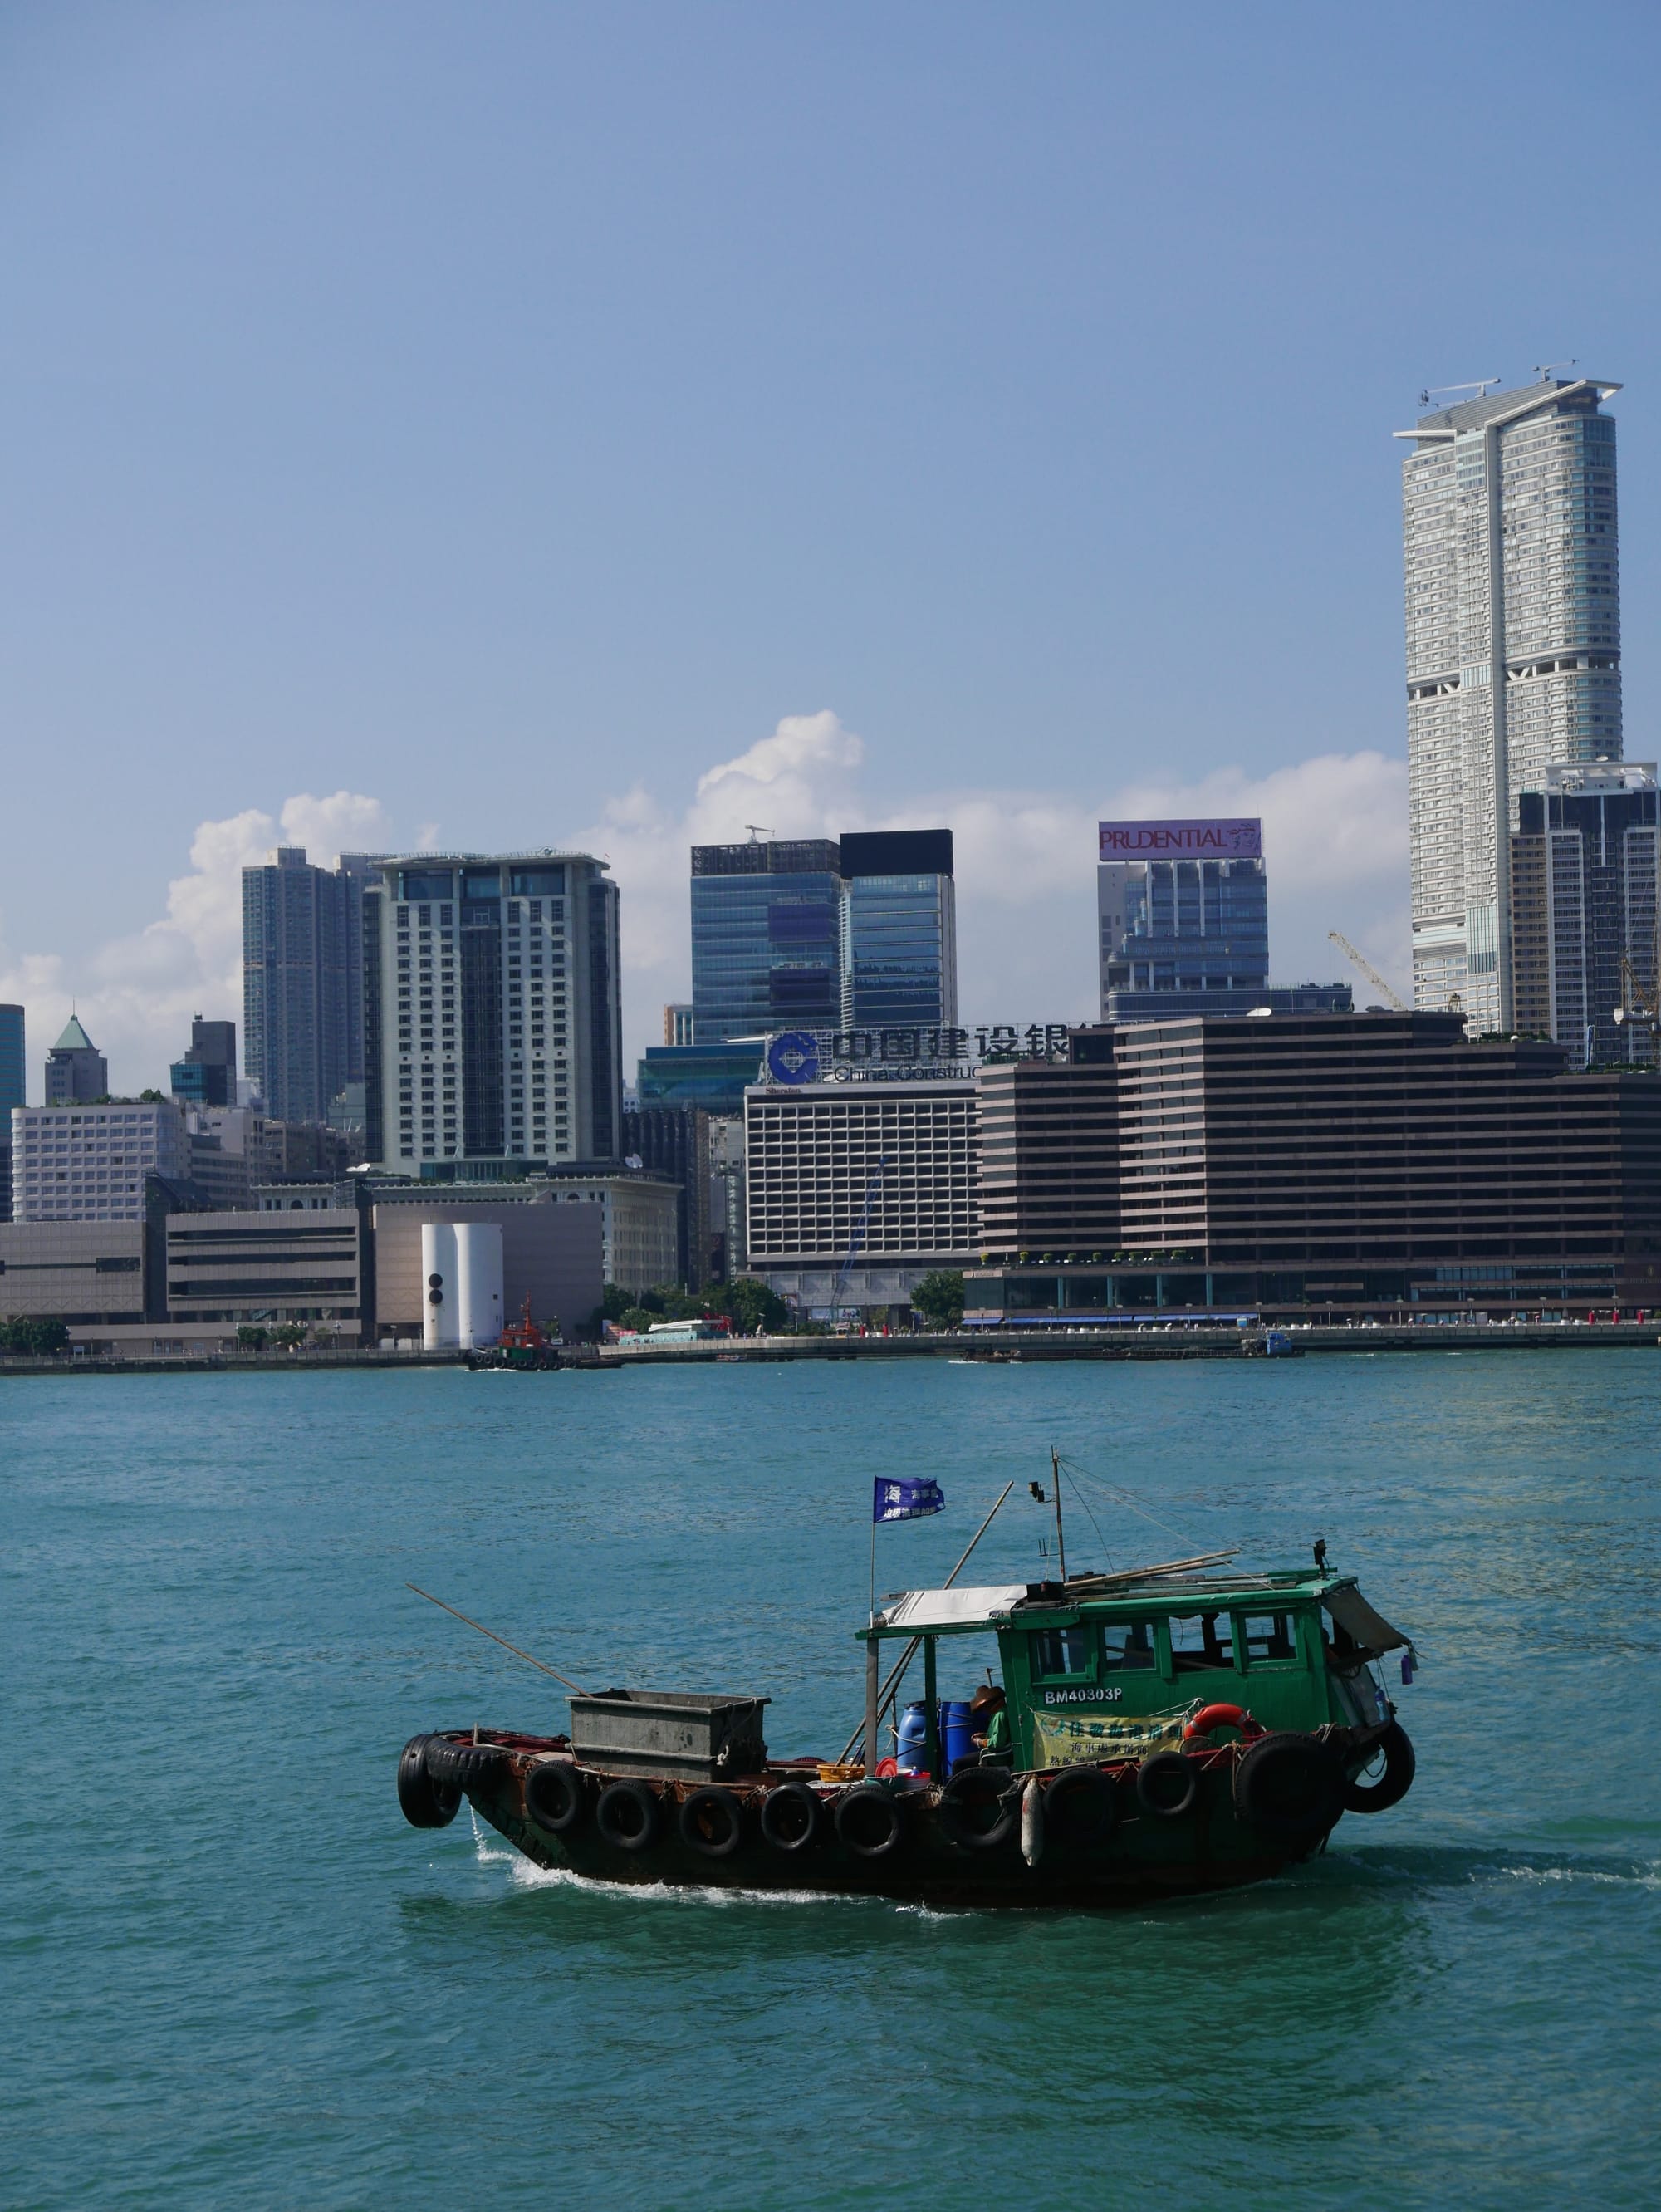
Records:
x=669, y=1733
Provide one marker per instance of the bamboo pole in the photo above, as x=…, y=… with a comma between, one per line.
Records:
x=494, y=1638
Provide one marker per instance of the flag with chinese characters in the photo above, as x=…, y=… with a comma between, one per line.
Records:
x=901, y=1499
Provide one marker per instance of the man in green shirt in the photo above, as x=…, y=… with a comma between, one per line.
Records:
x=988, y=1720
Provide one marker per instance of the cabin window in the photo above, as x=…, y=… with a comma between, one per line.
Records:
x=1127, y=1646
x=1061, y=1651
x=1201, y=1642
x=1266, y=1637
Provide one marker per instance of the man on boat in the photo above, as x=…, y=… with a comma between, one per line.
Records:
x=989, y=1719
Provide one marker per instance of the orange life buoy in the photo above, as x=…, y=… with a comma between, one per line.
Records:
x=1217, y=1716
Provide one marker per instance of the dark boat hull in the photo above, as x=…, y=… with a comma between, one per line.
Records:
x=1146, y=1858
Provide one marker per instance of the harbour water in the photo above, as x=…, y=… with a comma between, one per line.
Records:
x=233, y=1975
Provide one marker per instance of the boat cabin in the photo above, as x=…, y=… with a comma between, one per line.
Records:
x=1106, y=1666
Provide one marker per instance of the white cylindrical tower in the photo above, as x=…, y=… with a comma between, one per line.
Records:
x=440, y=1287
x=478, y=1282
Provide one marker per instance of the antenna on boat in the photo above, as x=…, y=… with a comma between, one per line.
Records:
x=1037, y=1490
x=1061, y=1541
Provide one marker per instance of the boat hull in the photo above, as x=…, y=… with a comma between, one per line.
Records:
x=1145, y=1858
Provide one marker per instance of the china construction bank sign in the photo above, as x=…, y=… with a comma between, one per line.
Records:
x=1230, y=840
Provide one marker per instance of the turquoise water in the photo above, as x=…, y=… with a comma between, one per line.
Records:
x=233, y=1974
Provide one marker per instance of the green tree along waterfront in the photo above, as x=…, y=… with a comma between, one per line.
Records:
x=939, y=1298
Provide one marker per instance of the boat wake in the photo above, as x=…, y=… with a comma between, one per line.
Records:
x=525, y=1874
x=1453, y=1866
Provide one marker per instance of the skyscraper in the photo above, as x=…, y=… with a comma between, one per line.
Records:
x=14, y=1076
x=899, y=929
x=767, y=937
x=76, y=1071
x=302, y=981
x=1585, y=875
x=492, y=1011
x=207, y=1074
x=823, y=934
x=1513, y=655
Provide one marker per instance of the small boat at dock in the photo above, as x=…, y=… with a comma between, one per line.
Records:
x=1166, y=1731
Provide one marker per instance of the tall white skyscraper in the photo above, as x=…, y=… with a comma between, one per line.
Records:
x=1513, y=655
x=493, y=1029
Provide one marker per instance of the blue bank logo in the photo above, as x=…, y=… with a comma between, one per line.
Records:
x=793, y=1057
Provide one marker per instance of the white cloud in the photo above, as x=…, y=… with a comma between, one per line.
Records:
x=1334, y=834
x=135, y=995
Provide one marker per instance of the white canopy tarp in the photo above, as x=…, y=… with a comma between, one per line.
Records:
x=920, y=1610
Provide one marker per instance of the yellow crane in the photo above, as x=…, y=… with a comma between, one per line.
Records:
x=1367, y=969
x=1637, y=1006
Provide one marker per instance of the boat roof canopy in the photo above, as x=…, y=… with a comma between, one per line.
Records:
x=916, y=1612
x=963, y=1611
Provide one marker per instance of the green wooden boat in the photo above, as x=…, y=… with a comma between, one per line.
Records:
x=1169, y=1730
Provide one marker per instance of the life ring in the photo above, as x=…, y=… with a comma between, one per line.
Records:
x=1287, y=1786
x=870, y=1821
x=1167, y=1785
x=1392, y=1785
x=978, y=1809
x=424, y=1803
x=555, y=1797
x=1081, y=1806
x=1217, y=1716
x=711, y=1822
x=791, y=1817
x=628, y=1815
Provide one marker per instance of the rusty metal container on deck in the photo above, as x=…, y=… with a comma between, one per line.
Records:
x=672, y=1735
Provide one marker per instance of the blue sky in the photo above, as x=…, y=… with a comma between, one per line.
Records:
x=509, y=417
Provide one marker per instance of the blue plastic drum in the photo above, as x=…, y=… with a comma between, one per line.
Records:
x=911, y=1750
x=955, y=1737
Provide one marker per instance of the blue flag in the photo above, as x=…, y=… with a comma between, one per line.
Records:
x=903, y=1499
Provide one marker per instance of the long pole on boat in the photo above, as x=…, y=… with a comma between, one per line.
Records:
x=885, y=1697
x=1061, y=1541
x=494, y=1638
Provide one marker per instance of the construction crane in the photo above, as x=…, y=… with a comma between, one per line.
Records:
x=1637, y=1009
x=1367, y=969
x=861, y=1229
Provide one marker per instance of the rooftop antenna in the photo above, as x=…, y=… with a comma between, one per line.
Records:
x=1542, y=369
x=1480, y=385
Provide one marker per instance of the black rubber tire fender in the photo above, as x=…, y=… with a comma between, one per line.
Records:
x=980, y=1809
x=555, y=1797
x=1167, y=1785
x=629, y=1815
x=424, y=1803
x=1392, y=1785
x=1287, y=1786
x=870, y=1822
x=1080, y=1807
x=444, y=1762
x=791, y=1817
x=480, y=1767
x=711, y=1820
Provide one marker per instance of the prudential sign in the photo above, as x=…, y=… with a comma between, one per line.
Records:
x=1231, y=840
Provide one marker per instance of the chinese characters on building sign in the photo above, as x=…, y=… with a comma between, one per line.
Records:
x=797, y=1056
x=1183, y=840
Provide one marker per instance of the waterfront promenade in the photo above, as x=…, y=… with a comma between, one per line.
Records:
x=1002, y=1347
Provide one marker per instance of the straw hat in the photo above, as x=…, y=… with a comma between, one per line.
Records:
x=988, y=1694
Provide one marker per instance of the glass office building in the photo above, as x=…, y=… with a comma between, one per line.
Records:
x=1183, y=935
x=1584, y=870
x=14, y=1083
x=899, y=929
x=767, y=937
